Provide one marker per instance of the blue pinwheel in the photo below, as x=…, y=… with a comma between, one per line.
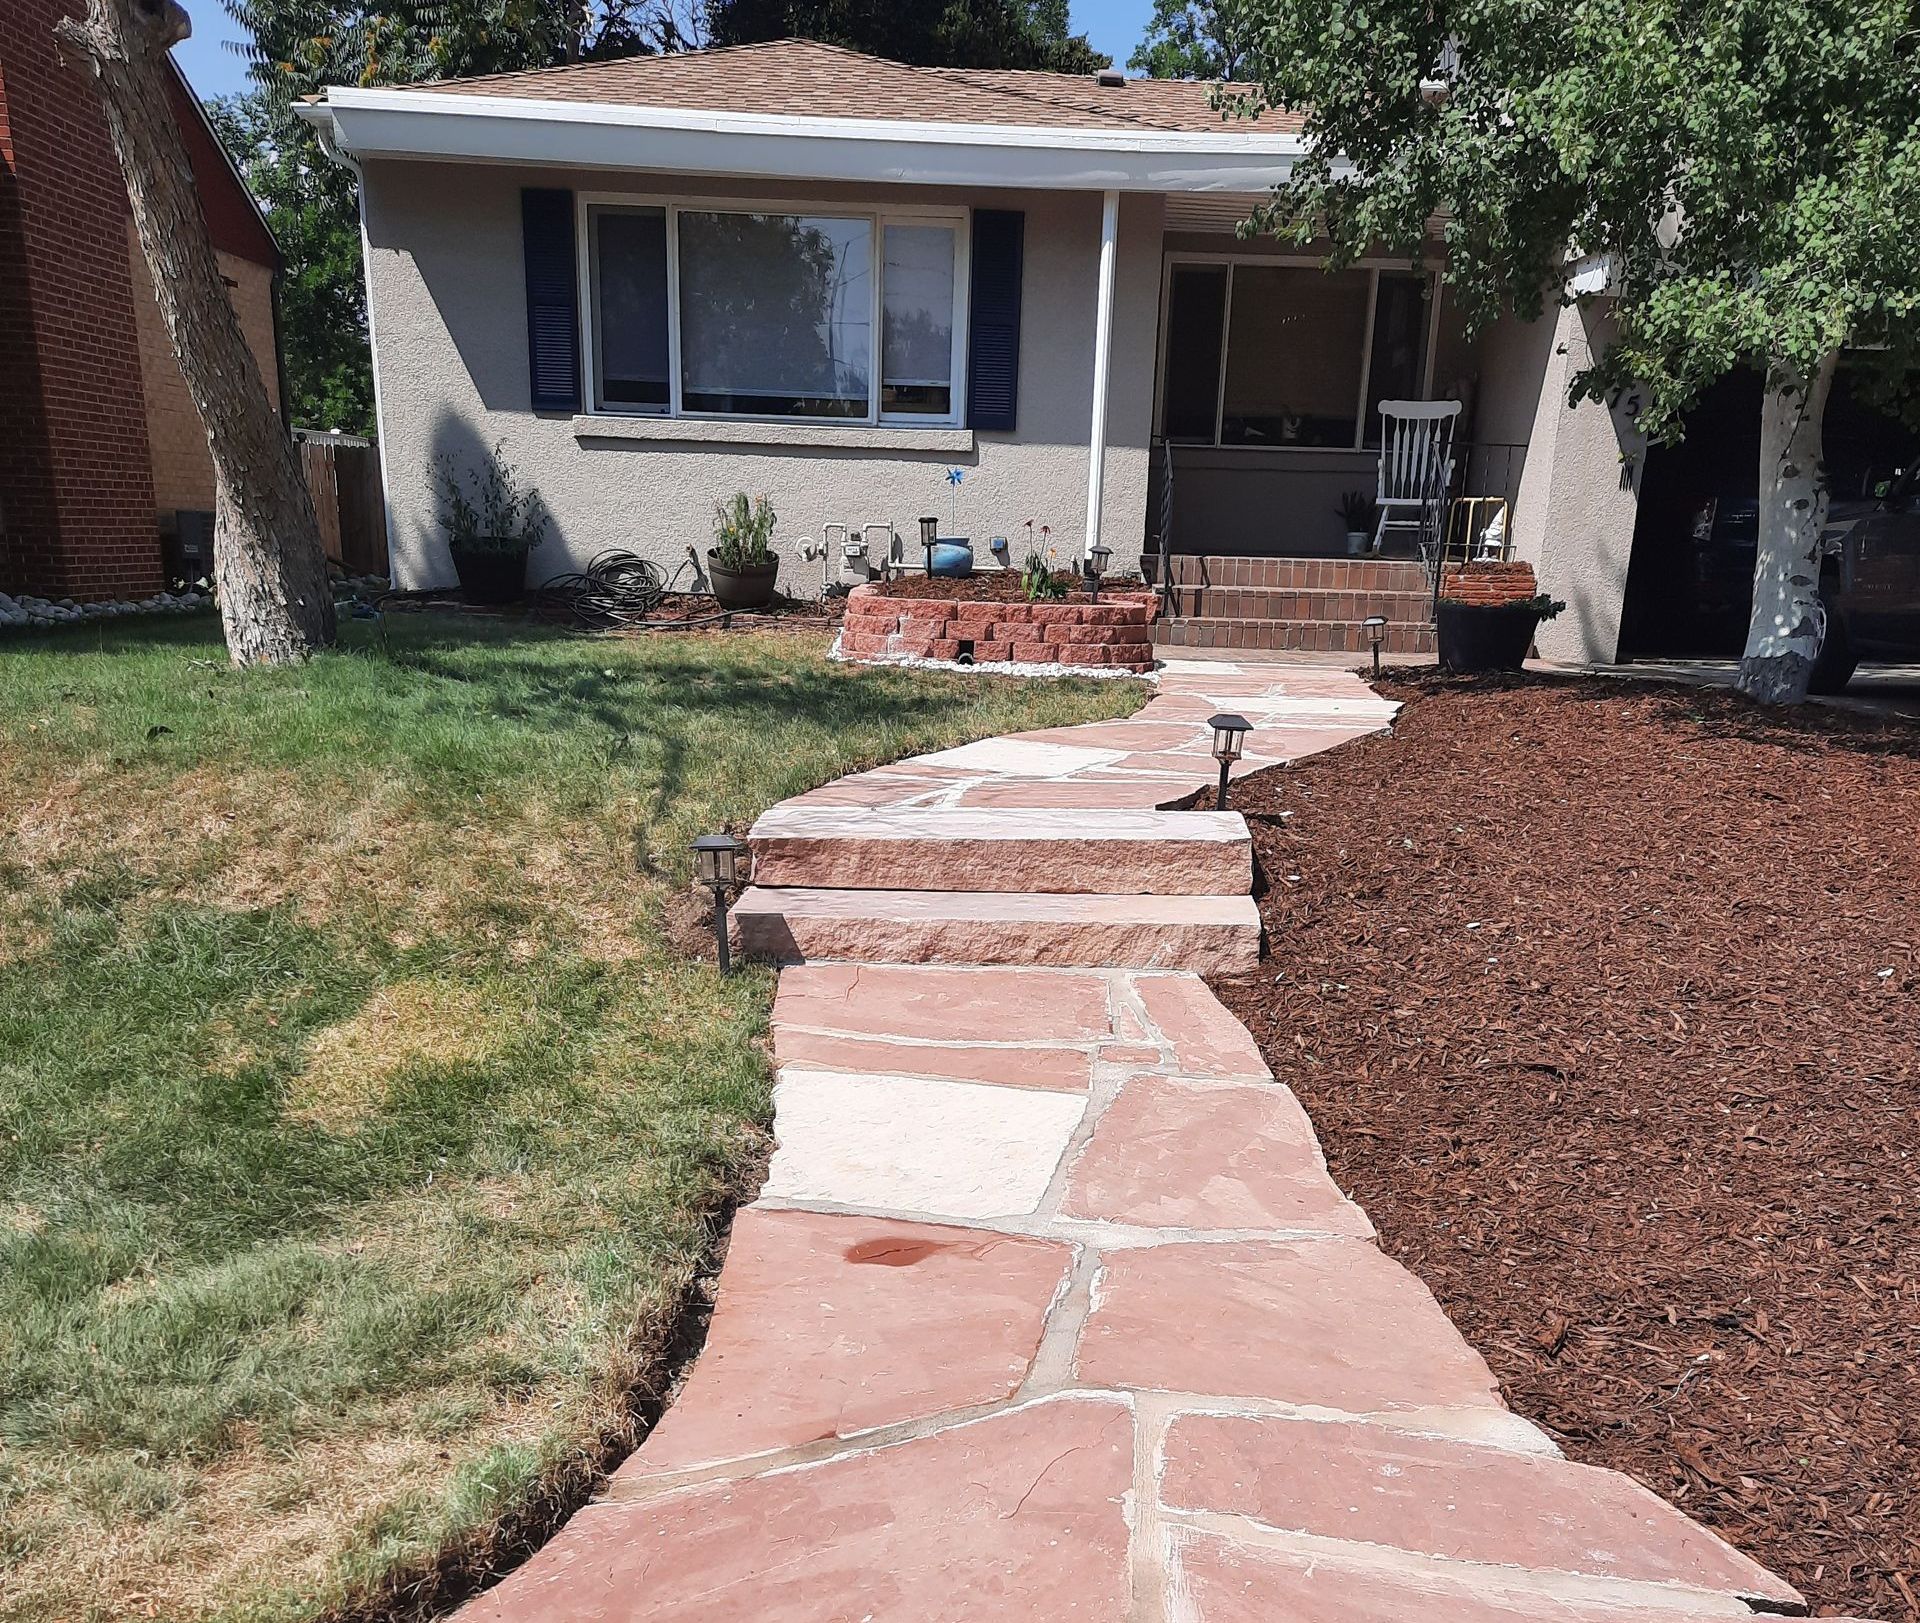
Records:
x=954, y=476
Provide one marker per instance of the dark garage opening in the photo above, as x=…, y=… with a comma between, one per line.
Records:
x=1690, y=582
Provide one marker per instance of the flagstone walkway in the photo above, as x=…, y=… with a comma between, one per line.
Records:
x=1050, y=1310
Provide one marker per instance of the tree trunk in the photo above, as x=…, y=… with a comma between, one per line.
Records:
x=268, y=566
x=1789, y=621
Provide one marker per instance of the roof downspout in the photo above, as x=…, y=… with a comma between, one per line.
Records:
x=1102, y=358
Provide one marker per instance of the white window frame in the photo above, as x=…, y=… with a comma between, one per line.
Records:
x=878, y=218
x=1373, y=267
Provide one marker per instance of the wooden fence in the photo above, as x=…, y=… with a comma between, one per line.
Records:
x=344, y=477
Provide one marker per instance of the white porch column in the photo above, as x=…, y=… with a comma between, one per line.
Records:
x=1102, y=358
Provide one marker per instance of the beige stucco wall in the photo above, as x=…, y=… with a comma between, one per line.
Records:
x=1576, y=481
x=449, y=317
x=176, y=441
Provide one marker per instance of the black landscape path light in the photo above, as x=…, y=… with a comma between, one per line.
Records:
x=1229, y=744
x=716, y=861
x=1098, y=557
x=1376, y=628
x=929, y=533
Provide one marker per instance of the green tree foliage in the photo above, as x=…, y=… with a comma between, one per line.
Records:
x=1194, y=39
x=1747, y=171
x=926, y=33
x=300, y=46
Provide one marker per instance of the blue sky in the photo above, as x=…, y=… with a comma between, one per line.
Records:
x=1114, y=26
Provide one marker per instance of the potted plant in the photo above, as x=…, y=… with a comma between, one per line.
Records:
x=1490, y=636
x=741, y=563
x=492, y=522
x=1357, y=513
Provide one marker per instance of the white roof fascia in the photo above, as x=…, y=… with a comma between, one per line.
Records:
x=380, y=123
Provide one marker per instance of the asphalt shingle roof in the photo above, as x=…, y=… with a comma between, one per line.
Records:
x=805, y=78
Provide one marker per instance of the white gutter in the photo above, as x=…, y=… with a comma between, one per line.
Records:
x=1102, y=364
x=386, y=123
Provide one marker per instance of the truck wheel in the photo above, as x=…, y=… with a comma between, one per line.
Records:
x=1834, y=665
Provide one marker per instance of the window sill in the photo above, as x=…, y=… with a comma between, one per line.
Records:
x=831, y=436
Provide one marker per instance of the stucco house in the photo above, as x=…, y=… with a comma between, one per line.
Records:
x=794, y=269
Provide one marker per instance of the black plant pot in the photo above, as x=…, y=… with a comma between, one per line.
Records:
x=1485, y=636
x=748, y=588
x=488, y=575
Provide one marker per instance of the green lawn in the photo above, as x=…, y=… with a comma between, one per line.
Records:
x=361, y=1125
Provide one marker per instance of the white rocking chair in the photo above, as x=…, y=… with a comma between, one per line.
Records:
x=1416, y=469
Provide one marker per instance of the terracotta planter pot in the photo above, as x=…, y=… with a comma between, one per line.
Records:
x=489, y=575
x=1485, y=636
x=748, y=588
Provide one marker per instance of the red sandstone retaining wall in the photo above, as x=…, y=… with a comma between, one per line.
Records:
x=1117, y=630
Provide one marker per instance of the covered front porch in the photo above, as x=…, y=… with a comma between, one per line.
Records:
x=1269, y=375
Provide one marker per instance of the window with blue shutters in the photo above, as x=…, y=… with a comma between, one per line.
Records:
x=553, y=299
x=993, y=365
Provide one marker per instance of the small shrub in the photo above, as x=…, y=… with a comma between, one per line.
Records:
x=501, y=514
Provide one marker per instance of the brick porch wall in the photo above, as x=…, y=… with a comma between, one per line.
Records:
x=76, y=490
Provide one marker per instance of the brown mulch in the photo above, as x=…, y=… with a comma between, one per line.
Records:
x=1605, y=998
x=997, y=586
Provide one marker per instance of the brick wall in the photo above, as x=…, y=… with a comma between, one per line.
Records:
x=182, y=469
x=1489, y=583
x=1116, y=630
x=76, y=495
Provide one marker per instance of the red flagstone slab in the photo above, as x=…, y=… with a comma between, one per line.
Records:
x=1166, y=1155
x=829, y=1325
x=1328, y=1323
x=1448, y=1499
x=950, y=1005
x=1066, y=1070
x=1220, y=1581
x=1217, y=935
x=1132, y=735
x=1151, y=793
x=1207, y=1040
x=1019, y=1518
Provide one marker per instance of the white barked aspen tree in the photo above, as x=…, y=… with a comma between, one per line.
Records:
x=1789, y=621
x=269, y=568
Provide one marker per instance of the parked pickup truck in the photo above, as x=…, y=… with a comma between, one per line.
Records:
x=1870, y=581
x=1869, y=574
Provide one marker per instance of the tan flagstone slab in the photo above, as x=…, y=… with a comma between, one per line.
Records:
x=911, y=1144
x=829, y=1325
x=1065, y=1070
x=1020, y=1517
x=1167, y=1154
x=1220, y=1580
x=1330, y=1324
x=1207, y=1040
x=945, y=1004
x=1448, y=1499
x=1017, y=757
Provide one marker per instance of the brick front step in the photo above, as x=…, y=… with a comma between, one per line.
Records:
x=1276, y=603
x=1298, y=574
x=1207, y=934
x=1323, y=636
x=1091, y=852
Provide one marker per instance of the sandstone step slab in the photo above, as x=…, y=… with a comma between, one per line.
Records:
x=1082, y=852
x=1206, y=934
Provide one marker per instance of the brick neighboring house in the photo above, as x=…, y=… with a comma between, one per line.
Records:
x=100, y=446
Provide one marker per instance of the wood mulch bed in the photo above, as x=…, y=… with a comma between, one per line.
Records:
x=1605, y=998
x=997, y=586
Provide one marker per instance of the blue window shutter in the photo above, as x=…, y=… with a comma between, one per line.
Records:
x=553, y=299
x=993, y=338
